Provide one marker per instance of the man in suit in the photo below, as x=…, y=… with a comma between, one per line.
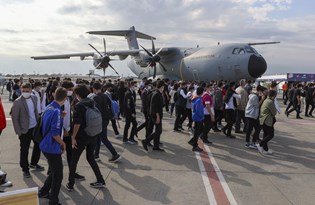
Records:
x=24, y=118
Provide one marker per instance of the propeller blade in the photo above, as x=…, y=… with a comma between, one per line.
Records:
x=104, y=42
x=163, y=66
x=148, y=52
x=154, y=72
x=96, y=50
x=159, y=51
x=113, y=69
x=153, y=47
x=98, y=65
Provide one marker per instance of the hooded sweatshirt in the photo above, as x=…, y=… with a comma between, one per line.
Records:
x=197, y=109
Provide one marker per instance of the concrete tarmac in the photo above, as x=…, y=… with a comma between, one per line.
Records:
x=225, y=173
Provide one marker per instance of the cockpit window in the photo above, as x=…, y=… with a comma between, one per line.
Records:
x=250, y=50
x=241, y=51
x=235, y=50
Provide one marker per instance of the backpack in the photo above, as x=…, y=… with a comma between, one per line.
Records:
x=38, y=129
x=93, y=119
x=115, y=109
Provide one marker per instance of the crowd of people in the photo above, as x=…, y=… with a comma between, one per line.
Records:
x=75, y=117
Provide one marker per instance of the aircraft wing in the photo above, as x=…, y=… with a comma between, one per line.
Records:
x=122, y=54
x=62, y=56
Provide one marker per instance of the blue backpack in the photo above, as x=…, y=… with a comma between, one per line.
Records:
x=115, y=109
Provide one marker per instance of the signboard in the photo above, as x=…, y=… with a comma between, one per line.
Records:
x=301, y=77
x=20, y=197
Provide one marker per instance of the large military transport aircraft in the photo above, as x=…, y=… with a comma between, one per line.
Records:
x=221, y=62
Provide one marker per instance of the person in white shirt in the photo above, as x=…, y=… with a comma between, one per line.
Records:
x=24, y=119
x=230, y=105
x=36, y=92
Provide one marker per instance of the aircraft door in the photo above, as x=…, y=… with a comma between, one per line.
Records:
x=195, y=75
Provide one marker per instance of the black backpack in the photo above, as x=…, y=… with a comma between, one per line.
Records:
x=37, y=132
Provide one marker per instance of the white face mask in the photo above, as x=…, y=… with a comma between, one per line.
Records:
x=69, y=93
x=26, y=95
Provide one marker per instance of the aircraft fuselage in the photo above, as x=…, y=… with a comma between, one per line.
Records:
x=223, y=62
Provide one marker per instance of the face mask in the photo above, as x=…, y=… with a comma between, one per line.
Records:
x=44, y=88
x=149, y=87
x=69, y=93
x=26, y=95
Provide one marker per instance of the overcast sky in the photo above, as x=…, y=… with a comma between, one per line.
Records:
x=42, y=27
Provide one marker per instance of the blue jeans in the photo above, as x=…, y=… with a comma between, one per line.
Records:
x=103, y=138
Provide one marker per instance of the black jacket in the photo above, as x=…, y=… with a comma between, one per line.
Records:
x=156, y=104
x=79, y=118
x=129, y=103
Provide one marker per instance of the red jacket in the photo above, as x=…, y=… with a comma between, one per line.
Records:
x=3, y=121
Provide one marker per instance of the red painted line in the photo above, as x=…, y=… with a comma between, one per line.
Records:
x=215, y=183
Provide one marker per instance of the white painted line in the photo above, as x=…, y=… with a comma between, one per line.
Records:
x=205, y=179
x=8, y=119
x=221, y=177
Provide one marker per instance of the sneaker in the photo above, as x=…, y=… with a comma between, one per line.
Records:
x=97, y=159
x=144, y=145
x=37, y=167
x=269, y=151
x=79, y=177
x=181, y=128
x=197, y=149
x=253, y=146
x=133, y=141
x=43, y=195
x=97, y=184
x=118, y=136
x=191, y=143
x=115, y=158
x=207, y=142
x=247, y=145
x=69, y=187
x=7, y=184
x=260, y=149
x=149, y=144
x=231, y=136
x=176, y=130
x=158, y=149
x=26, y=174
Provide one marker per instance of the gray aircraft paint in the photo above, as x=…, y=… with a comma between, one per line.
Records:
x=221, y=62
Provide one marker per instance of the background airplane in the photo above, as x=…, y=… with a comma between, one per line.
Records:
x=221, y=62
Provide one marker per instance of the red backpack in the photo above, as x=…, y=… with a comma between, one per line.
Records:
x=3, y=121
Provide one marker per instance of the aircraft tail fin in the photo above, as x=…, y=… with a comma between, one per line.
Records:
x=131, y=35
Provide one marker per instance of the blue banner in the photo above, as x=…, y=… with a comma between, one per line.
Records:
x=301, y=77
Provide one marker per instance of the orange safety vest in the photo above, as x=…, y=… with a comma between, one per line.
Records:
x=285, y=87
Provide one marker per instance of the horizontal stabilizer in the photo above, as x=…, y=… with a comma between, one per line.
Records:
x=123, y=33
x=263, y=43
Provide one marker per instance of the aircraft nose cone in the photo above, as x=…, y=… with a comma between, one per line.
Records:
x=256, y=66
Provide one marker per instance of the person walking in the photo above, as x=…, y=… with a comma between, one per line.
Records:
x=198, y=117
x=130, y=114
x=53, y=146
x=24, y=119
x=156, y=113
x=267, y=120
x=81, y=140
x=230, y=105
x=104, y=104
